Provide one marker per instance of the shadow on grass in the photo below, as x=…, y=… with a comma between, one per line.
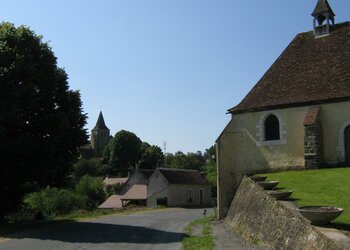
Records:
x=339, y=226
x=96, y=232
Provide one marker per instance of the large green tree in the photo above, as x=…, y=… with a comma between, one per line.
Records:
x=41, y=120
x=123, y=151
x=151, y=156
x=185, y=161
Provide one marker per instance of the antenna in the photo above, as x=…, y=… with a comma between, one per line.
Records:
x=164, y=150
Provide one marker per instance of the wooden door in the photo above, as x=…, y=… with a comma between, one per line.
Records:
x=347, y=144
x=201, y=196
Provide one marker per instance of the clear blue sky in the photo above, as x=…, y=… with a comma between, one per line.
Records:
x=166, y=70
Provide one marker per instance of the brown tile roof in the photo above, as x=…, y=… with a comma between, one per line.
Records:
x=136, y=192
x=182, y=176
x=310, y=71
x=111, y=181
x=311, y=116
x=112, y=202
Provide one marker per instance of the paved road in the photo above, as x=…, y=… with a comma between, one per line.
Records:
x=162, y=229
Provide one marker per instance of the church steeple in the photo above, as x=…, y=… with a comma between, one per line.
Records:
x=100, y=124
x=322, y=12
x=99, y=136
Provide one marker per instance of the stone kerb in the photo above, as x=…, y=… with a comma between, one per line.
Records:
x=267, y=222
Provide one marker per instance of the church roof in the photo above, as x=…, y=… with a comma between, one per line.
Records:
x=310, y=71
x=100, y=124
x=322, y=7
x=182, y=176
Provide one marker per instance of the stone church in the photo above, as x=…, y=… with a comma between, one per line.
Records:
x=100, y=136
x=297, y=115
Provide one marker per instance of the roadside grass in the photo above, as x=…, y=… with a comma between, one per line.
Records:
x=322, y=187
x=199, y=235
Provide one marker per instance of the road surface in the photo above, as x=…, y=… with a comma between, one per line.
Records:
x=160, y=229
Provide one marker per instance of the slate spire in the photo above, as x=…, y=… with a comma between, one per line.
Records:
x=99, y=136
x=322, y=12
x=100, y=124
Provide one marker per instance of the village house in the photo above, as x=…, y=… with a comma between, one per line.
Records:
x=163, y=186
x=298, y=113
x=178, y=188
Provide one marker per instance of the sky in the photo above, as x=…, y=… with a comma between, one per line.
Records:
x=167, y=70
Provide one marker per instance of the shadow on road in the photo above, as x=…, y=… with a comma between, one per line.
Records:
x=95, y=232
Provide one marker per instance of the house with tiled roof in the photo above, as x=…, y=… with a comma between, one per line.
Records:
x=162, y=186
x=298, y=113
x=134, y=190
x=178, y=188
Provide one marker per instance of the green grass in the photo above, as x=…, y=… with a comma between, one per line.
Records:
x=325, y=187
x=202, y=240
x=77, y=215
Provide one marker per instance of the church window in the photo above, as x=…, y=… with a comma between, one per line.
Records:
x=272, y=128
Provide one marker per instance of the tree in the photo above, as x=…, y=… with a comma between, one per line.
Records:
x=123, y=151
x=185, y=161
x=85, y=167
x=92, y=190
x=41, y=120
x=151, y=156
x=210, y=169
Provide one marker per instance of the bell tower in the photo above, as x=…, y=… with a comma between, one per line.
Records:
x=323, y=18
x=99, y=136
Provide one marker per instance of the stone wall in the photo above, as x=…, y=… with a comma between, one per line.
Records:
x=313, y=155
x=312, y=147
x=267, y=222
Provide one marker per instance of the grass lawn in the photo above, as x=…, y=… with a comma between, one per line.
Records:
x=199, y=235
x=330, y=187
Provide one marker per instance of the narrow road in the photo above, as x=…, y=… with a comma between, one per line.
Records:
x=161, y=229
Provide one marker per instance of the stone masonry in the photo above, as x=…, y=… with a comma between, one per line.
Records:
x=312, y=139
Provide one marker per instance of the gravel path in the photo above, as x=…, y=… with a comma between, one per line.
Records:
x=225, y=238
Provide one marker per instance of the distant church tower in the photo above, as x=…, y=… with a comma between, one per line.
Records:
x=99, y=136
x=323, y=12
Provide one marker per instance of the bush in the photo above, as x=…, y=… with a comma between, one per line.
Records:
x=113, y=189
x=85, y=167
x=91, y=189
x=67, y=201
x=53, y=201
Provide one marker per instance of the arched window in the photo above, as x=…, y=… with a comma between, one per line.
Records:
x=272, y=128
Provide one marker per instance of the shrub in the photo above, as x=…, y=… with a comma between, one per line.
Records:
x=85, y=167
x=91, y=189
x=113, y=189
x=53, y=201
